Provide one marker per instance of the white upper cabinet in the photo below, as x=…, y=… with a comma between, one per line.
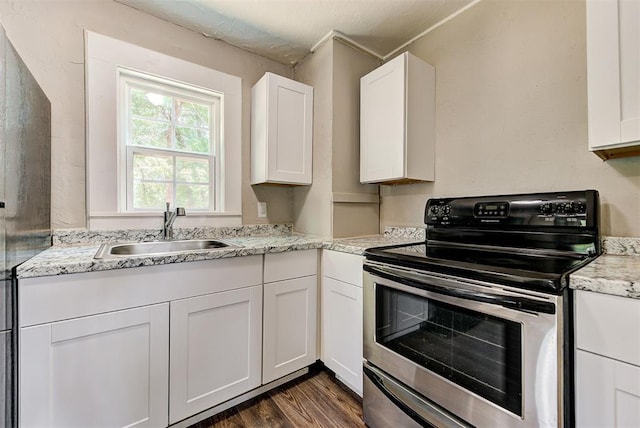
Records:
x=397, y=122
x=613, y=77
x=281, y=131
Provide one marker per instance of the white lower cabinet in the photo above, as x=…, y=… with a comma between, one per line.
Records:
x=608, y=392
x=103, y=370
x=342, y=316
x=290, y=312
x=607, y=361
x=342, y=331
x=215, y=349
x=148, y=346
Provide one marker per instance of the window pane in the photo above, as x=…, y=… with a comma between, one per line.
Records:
x=151, y=195
x=150, y=105
x=195, y=196
x=150, y=134
x=191, y=139
x=192, y=170
x=152, y=168
x=192, y=114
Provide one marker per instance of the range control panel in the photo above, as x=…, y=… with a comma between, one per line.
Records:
x=563, y=209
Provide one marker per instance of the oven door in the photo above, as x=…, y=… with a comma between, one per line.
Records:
x=489, y=354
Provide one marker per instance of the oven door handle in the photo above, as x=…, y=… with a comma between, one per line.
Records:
x=509, y=302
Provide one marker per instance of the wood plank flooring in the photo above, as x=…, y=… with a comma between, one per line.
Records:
x=314, y=400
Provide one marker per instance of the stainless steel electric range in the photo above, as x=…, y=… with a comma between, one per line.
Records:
x=473, y=327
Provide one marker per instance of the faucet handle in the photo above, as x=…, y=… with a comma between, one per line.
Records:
x=168, y=207
x=180, y=211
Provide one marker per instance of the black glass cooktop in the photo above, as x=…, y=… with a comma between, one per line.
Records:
x=539, y=270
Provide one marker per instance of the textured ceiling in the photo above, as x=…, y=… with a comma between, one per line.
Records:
x=286, y=30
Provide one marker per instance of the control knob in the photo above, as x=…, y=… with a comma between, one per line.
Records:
x=565, y=207
x=546, y=208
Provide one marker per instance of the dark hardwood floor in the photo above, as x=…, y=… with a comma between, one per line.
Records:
x=314, y=400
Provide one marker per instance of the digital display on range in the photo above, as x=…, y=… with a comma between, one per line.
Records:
x=492, y=209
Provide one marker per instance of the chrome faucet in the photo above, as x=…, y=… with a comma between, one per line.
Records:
x=169, y=218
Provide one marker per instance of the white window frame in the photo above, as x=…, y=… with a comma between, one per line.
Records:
x=133, y=79
x=104, y=56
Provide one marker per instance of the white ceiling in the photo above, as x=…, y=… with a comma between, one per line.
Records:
x=287, y=30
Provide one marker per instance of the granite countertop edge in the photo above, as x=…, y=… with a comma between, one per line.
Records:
x=79, y=258
x=614, y=274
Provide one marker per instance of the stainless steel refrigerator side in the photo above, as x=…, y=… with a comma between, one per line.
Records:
x=25, y=183
x=7, y=409
x=27, y=162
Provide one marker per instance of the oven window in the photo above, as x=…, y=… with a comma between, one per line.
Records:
x=479, y=352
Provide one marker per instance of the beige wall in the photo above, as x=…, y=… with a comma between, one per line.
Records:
x=48, y=35
x=312, y=204
x=350, y=218
x=511, y=113
x=334, y=71
x=510, y=96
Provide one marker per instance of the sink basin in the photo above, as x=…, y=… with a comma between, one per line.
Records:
x=116, y=249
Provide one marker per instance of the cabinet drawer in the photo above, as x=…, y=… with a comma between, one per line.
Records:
x=54, y=298
x=608, y=325
x=342, y=266
x=293, y=264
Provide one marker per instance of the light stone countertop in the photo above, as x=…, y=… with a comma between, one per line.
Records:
x=617, y=272
x=66, y=259
x=614, y=274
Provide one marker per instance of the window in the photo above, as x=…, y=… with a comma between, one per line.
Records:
x=160, y=129
x=170, y=141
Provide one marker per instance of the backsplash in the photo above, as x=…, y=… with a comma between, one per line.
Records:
x=416, y=233
x=621, y=245
x=610, y=244
x=85, y=236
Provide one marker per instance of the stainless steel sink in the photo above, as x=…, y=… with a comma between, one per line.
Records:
x=114, y=250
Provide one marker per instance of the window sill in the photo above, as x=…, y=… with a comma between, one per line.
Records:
x=144, y=220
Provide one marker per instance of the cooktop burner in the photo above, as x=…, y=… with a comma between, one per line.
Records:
x=543, y=272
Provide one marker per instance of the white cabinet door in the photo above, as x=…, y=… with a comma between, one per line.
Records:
x=382, y=113
x=215, y=351
x=342, y=331
x=613, y=76
x=281, y=131
x=289, y=326
x=607, y=392
x=103, y=370
x=397, y=122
